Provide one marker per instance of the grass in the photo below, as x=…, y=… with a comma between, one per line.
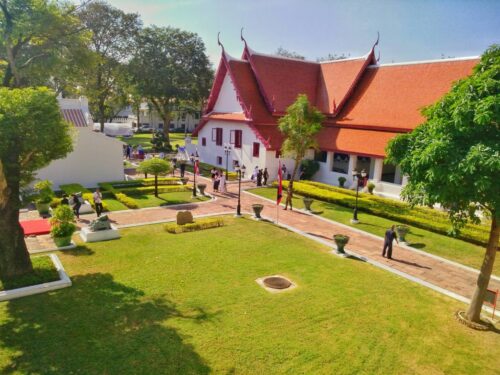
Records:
x=144, y=139
x=157, y=303
x=44, y=272
x=450, y=248
x=165, y=199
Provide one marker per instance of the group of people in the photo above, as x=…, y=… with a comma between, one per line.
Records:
x=218, y=180
x=260, y=176
x=76, y=200
x=134, y=152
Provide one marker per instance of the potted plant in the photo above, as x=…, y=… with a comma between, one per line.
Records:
x=62, y=227
x=257, y=209
x=371, y=187
x=342, y=181
x=307, y=203
x=340, y=240
x=201, y=188
x=402, y=230
x=184, y=180
x=44, y=196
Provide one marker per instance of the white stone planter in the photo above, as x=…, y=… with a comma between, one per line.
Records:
x=86, y=208
x=63, y=282
x=101, y=235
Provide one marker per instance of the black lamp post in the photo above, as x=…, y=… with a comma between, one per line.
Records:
x=240, y=170
x=194, y=159
x=227, y=151
x=358, y=175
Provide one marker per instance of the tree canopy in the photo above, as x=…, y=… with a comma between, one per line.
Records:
x=156, y=167
x=32, y=133
x=454, y=157
x=299, y=126
x=170, y=66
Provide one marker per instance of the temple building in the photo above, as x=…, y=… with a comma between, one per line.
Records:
x=365, y=104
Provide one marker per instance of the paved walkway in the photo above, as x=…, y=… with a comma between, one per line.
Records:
x=434, y=272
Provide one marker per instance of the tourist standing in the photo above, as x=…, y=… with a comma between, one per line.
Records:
x=128, y=151
x=259, y=177
x=390, y=236
x=265, y=176
x=183, y=169
x=97, y=201
x=283, y=171
x=216, y=181
x=65, y=200
x=76, y=205
x=254, y=174
x=222, y=183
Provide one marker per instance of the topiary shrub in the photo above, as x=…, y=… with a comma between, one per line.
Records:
x=62, y=227
x=200, y=224
x=371, y=187
x=309, y=168
x=342, y=181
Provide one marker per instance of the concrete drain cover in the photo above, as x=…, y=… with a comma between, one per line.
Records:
x=275, y=283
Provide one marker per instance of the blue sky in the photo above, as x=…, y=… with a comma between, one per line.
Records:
x=409, y=29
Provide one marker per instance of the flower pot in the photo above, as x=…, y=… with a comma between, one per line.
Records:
x=43, y=208
x=402, y=231
x=340, y=240
x=257, y=209
x=307, y=203
x=62, y=241
x=201, y=188
x=185, y=181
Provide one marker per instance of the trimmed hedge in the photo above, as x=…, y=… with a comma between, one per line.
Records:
x=151, y=189
x=207, y=223
x=145, y=182
x=120, y=197
x=86, y=194
x=421, y=217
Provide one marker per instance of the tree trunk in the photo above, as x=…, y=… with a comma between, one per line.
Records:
x=166, y=126
x=474, y=310
x=14, y=256
x=156, y=185
x=289, y=190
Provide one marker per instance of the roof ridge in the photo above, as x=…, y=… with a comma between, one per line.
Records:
x=454, y=59
x=252, y=52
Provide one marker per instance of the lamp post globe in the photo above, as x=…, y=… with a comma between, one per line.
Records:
x=227, y=151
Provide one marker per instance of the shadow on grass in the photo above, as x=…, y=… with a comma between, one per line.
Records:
x=80, y=250
x=417, y=245
x=97, y=326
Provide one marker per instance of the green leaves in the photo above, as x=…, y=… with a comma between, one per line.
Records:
x=155, y=166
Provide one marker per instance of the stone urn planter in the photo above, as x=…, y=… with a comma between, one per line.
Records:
x=201, y=188
x=185, y=180
x=402, y=231
x=62, y=241
x=43, y=208
x=340, y=240
x=307, y=203
x=257, y=209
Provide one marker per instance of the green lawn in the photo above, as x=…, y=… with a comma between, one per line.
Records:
x=159, y=303
x=450, y=248
x=144, y=139
x=149, y=200
x=44, y=272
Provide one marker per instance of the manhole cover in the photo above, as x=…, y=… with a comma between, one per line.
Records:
x=276, y=282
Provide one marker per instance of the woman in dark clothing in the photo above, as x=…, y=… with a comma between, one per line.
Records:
x=259, y=177
x=216, y=181
x=265, y=176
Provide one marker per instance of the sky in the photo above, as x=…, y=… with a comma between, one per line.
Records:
x=410, y=30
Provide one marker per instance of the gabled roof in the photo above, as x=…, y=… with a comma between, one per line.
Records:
x=391, y=96
x=75, y=116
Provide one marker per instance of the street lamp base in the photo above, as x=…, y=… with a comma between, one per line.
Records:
x=354, y=221
x=238, y=215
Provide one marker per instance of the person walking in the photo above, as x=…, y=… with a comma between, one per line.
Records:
x=98, y=201
x=283, y=171
x=390, y=236
x=265, y=176
x=65, y=200
x=76, y=205
x=254, y=174
x=216, y=181
x=222, y=183
x=128, y=151
x=183, y=169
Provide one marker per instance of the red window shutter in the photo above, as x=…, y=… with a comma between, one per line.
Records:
x=218, y=140
x=238, y=138
x=203, y=141
x=256, y=149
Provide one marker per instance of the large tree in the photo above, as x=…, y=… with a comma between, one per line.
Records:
x=299, y=126
x=454, y=158
x=170, y=66
x=112, y=42
x=32, y=133
x=38, y=39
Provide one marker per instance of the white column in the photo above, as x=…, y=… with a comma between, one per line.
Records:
x=377, y=170
x=353, y=160
x=405, y=180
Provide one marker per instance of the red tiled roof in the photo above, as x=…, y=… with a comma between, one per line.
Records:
x=75, y=116
x=336, y=80
x=392, y=96
x=281, y=79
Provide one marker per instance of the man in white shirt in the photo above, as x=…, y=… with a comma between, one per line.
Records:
x=97, y=201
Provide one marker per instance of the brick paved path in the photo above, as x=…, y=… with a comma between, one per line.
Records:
x=429, y=269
